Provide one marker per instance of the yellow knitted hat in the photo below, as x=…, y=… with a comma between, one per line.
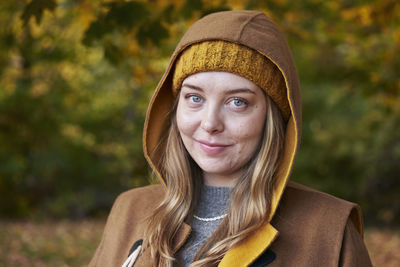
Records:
x=237, y=59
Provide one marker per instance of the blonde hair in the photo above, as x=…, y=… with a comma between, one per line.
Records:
x=250, y=200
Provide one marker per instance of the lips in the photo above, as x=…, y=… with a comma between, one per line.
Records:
x=212, y=149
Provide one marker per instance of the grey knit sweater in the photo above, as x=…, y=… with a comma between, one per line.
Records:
x=213, y=202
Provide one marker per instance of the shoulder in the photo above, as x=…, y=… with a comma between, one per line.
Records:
x=138, y=201
x=316, y=224
x=301, y=201
x=307, y=194
x=312, y=210
x=143, y=195
x=300, y=197
x=126, y=223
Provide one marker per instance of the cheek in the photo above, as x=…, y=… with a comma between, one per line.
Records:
x=255, y=126
x=249, y=130
x=249, y=135
x=186, y=123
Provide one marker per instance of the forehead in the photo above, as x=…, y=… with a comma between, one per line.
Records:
x=220, y=80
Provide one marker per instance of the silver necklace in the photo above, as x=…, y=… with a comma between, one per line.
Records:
x=209, y=219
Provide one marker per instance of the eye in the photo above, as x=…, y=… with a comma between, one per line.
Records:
x=238, y=102
x=195, y=98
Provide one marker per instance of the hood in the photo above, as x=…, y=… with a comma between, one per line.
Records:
x=255, y=30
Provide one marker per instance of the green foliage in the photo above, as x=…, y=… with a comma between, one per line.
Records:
x=36, y=8
x=70, y=126
x=75, y=82
x=120, y=16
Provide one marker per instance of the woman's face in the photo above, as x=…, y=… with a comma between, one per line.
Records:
x=220, y=117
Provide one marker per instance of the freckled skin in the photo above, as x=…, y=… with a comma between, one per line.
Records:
x=220, y=117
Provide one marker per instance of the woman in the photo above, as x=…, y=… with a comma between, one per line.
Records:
x=221, y=133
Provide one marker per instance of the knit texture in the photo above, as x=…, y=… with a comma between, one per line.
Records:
x=213, y=202
x=233, y=58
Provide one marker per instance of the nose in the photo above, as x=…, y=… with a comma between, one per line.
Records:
x=212, y=121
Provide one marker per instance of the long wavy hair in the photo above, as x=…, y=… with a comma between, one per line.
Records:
x=250, y=200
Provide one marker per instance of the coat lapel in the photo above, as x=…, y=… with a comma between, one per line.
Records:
x=183, y=233
x=181, y=236
x=247, y=252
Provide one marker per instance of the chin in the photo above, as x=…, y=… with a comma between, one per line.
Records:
x=218, y=171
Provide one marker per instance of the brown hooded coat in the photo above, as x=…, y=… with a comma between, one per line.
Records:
x=306, y=227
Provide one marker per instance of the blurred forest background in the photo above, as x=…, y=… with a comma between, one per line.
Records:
x=76, y=77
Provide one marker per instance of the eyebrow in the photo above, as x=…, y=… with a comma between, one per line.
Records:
x=231, y=91
x=194, y=87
